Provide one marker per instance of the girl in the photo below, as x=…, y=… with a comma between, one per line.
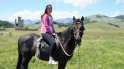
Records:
x=47, y=30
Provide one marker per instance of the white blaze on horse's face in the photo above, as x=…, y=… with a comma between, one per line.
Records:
x=77, y=37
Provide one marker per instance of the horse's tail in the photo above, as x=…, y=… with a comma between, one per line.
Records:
x=19, y=57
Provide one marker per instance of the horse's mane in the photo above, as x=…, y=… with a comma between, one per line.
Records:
x=64, y=34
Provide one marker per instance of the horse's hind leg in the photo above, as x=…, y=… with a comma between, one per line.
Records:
x=19, y=62
x=25, y=60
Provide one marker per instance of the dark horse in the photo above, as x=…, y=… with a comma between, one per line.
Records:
x=62, y=52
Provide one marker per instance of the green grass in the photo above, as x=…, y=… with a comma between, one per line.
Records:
x=102, y=48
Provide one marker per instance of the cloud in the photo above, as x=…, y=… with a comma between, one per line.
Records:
x=65, y=14
x=79, y=3
x=116, y=13
x=27, y=14
x=119, y=1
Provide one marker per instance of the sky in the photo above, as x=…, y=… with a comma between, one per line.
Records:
x=33, y=9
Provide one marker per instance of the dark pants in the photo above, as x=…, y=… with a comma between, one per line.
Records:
x=50, y=40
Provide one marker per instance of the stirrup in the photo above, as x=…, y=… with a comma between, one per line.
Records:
x=37, y=47
x=37, y=51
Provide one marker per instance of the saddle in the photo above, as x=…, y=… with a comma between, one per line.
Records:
x=42, y=44
x=39, y=46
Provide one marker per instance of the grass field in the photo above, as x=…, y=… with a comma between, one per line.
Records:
x=102, y=48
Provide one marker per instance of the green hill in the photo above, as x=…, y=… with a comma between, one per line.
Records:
x=101, y=48
x=117, y=21
x=120, y=17
x=113, y=21
x=6, y=24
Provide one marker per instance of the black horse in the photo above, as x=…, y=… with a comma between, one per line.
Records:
x=62, y=52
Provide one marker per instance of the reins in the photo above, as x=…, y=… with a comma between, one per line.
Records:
x=57, y=38
x=70, y=54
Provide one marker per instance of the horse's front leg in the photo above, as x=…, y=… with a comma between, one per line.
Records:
x=62, y=64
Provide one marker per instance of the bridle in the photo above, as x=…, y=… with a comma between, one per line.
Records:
x=76, y=30
x=57, y=39
x=76, y=36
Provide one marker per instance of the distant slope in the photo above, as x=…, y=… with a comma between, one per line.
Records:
x=6, y=24
x=114, y=21
x=117, y=21
x=64, y=20
x=120, y=17
x=29, y=21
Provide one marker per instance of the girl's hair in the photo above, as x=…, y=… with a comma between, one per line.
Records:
x=47, y=7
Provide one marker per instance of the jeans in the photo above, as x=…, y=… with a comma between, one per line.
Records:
x=50, y=40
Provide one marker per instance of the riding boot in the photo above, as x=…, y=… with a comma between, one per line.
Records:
x=52, y=61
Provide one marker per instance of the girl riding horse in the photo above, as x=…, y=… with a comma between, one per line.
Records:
x=62, y=53
x=47, y=30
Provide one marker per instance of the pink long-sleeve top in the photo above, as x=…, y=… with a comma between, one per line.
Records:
x=47, y=24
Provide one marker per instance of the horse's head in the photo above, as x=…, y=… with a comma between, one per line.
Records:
x=78, y=29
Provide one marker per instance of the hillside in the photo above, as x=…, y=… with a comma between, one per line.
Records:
x=119, y=17
x=113, y=21
x=101, y=48
x=117, y=21
x=6, y=24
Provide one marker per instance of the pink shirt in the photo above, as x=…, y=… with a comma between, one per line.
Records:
x=47, y=24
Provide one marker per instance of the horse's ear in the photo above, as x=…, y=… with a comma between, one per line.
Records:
x=74, y=18
x=82, y=18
